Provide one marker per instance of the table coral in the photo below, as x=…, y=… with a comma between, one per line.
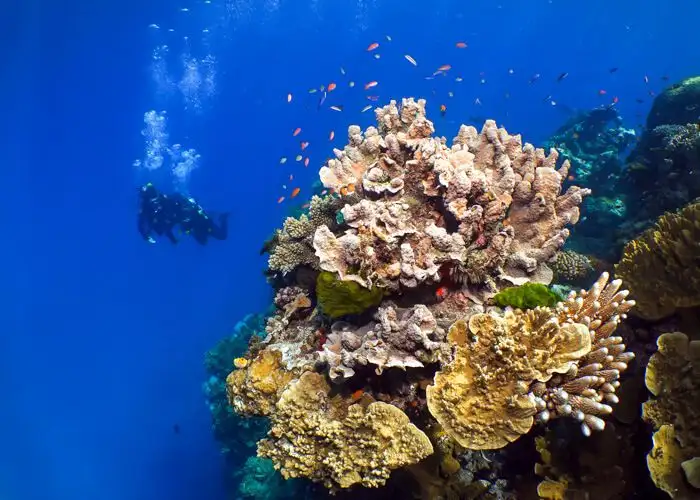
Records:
x=673, y=378
x=662, y=266
x=323, y=438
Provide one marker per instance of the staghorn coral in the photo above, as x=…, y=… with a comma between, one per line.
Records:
x=488, y=207
x=662, y=266
x=586, y=391
x=399, y=338
x=542, y=362
x=326, y=440
x=673, y=378
x=291, y=246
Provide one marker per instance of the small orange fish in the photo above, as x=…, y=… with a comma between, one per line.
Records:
x=461, y=45
x=371, y=84
x=441, y=293
x=324, y=192
x=296, y=132
x=602, y=92
x=351, y=188
x=331, y=136
x=306, y=161
x=306, y=205
x=443, y=109
x=331, y=87
x=280, y=199
x=295, y=192
x=373, y=98
x=571, y=178
x=372, y=46
x=343, y=191
x=304, y=145
x=357, y=394
x=445, y=67
x=289, y=97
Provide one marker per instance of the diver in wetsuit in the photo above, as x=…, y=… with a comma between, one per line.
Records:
x=161, y=213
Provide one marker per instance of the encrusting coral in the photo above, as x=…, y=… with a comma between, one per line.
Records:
x=542, y=363
x=571, y=267
x=673, y=378
x=662, y=266
x=323, y=438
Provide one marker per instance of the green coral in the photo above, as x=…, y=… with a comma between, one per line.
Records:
x=339, y=298
x=527, y=296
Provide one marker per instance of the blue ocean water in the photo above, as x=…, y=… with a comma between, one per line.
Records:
x=103, y=335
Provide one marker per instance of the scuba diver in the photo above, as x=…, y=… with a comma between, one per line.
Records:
x=161, y=213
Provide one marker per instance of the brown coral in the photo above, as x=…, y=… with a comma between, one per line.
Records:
x=254, y=390
x=488, y=207
x=662, y=266
x=673, y=377
x=482, y=397
x=400, y=338
x=571, y=268
x=324, y=439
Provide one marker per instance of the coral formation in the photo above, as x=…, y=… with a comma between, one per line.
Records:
x=543, y=362
x=677, y=104
x=340, y=298
x=673, y=378
x=662, y=266
x=571, y=268
x=527, y=296
x=322, y=438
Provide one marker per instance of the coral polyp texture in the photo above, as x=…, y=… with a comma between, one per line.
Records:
x=662, y=266
x=673, y=378
x=386, y=323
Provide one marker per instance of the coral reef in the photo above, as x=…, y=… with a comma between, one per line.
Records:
x=662, y=266
x=673, y=378
x=676, y=105
x=387, y=324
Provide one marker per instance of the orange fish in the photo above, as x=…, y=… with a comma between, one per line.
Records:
x=280, y=199
x=443, y=109
x=445, y=67
x=304, y=145
x=331, y=87
x=372, y=46
x=306, y=205
x=461, y=45
x=351, y=188
x=373, y=98
x=602, y=92
x=297, y=131
x=306, y=161
x=441, y=293
x=331, y=135
x=357, y=394
x=343, y=191
x=371, y=84
x=295, y=192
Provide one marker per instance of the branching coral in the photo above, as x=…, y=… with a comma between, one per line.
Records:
x=662, y=266
x=673, y=377
x=543, y=362
x=326, y=440
x=291, y=246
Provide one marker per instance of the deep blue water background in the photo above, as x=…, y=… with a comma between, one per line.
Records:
x=103, y=335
